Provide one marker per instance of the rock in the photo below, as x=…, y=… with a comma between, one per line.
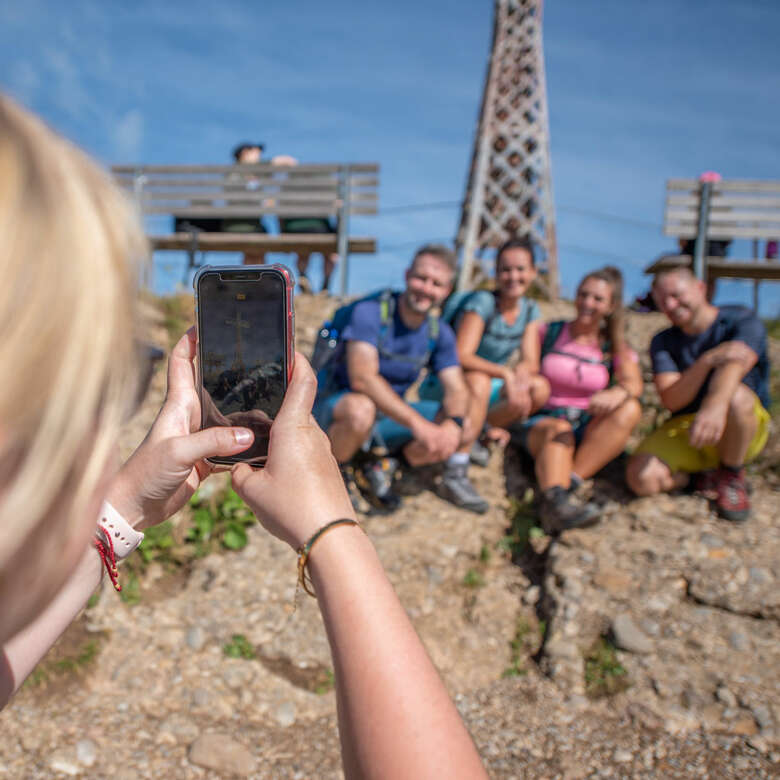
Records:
x=711, y=541
x=762, y=715
x=725, y=696
x=238, y=674
x=222, y=754
x=64, y=762
x=86, y=752
x=612, y=580
x=628, y=636
x=739, y=641
x=622, y=756
x=744, y=725
x=759, y=575
x=532, y=595
x=284, y=714
x=196, y=638
x=179, y=727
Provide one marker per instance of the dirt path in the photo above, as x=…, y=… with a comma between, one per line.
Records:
x=145, y=690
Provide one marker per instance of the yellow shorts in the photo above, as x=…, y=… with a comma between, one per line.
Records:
x=669, y=443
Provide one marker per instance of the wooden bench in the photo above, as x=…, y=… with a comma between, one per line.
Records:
x=723, y=210
x=225, y=192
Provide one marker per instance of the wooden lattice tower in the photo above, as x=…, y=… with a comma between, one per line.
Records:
x=509, y=190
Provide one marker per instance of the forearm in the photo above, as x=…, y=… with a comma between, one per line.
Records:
x=724, y=382
x=386, y=399
x=472, y=362
x=23, y=651
x=686, y=387
x=396, y=719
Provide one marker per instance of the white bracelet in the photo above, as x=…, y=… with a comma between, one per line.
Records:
x=123, y=536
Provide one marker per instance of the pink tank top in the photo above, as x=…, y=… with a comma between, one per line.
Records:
x=573, y=381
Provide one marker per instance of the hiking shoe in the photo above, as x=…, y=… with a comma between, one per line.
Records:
x=359, y=504
x=479, y=454
x=705, y=483
x=732, y=502
x=560, y=511
x=376, y=479
x=458, y=489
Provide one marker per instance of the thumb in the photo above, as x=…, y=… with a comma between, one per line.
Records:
x=188, y=450
x=299, y=398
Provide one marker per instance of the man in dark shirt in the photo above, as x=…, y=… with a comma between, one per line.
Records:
x=380, y=364
x=712, y=372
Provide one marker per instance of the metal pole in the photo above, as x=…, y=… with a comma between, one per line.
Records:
x=756, y=282
x=705, y=190
x=343, y=228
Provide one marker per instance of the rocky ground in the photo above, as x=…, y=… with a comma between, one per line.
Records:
x=670, y=611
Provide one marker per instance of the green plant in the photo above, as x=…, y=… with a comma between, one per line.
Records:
x=326, y=684
x=223, y=520
x=84, y=657
x=519, y=648
x=473, y=579
x=484, y=554
x=604, y=674
x=131, y=587
x=239, y=647
x=522, y=525
x=158, y=539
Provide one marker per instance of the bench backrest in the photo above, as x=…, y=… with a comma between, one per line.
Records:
x=241, y=190
x=738, y=208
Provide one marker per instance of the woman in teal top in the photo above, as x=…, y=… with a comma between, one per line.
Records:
x=490, y=327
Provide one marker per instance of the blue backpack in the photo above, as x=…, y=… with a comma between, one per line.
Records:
x=329, y=348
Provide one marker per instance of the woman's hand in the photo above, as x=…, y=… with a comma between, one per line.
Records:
x=606, y=401
x=517, y=389
x=301, y=488
x=166, y=469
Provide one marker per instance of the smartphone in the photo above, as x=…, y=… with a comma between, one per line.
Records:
x=246, y=325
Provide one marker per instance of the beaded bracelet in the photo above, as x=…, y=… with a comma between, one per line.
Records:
x=304, y=581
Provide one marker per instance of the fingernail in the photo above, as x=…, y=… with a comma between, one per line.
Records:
x=243, y=436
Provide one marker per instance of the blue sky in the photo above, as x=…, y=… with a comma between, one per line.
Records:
x=638, y=92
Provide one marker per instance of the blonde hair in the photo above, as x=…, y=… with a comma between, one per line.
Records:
x=614, y=328
x=70, y=252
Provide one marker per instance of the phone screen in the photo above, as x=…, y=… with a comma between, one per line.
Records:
x=242, y=349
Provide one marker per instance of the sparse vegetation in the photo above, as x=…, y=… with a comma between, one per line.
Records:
x=239, y=647
x=604, y=674
x=522, y=525
x=473, y=579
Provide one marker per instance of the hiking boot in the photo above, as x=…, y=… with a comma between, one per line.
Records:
x=705, y=483
x=479, y=454
x=458, y=489
x=359, y=504
x=732, y=502
x=376, y=479
x=560, y=511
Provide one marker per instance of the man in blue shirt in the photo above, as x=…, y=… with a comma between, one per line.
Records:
x=381, y=362
x=712, y=372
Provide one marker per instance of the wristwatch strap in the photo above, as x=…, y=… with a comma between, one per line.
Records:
x=124, y=537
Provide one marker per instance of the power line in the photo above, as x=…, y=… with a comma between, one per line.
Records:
x=603, y=215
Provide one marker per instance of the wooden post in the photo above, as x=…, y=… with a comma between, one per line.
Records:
x=343, y=227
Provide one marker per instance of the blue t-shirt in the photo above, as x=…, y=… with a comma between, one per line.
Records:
x=401, y=350
x=674, y=350
x=499, y=339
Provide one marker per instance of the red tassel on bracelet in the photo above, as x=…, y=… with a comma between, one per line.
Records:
x=105, y=548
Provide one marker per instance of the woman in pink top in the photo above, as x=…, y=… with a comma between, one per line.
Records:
x=595, y=384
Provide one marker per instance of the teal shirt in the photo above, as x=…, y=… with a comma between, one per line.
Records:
x=499, y=340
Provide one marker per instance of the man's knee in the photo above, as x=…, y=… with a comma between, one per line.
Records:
x=647, y=475
x=742, y=405
x=356, y=410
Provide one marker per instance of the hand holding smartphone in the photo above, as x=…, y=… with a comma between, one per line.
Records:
x=245, y=324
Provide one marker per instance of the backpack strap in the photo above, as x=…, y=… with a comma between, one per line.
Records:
x=551, y=336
